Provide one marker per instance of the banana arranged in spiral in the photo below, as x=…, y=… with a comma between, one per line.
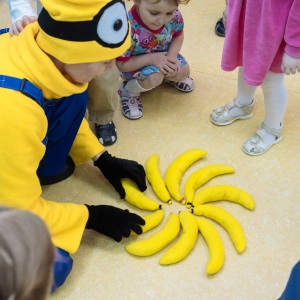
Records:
x=152, y=220
x=200, y=177
x=155, y=179
x=135, y=197
x=224, y=192
x=187, y=220
x=177, y=168
x=227, y=221
x=214, y=244
x=158, y=240
x=186, y=241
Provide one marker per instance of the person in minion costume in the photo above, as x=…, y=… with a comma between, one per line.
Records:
x=44, y=73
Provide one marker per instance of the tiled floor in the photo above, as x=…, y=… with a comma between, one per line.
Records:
x=172, y=123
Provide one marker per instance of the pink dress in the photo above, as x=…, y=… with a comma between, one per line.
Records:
x=257, y=34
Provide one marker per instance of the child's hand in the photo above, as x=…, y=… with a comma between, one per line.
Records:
x=164, y=63
x=290, y=64
x=175, y=71
x=19, y=25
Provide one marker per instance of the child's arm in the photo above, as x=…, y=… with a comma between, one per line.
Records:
x=160, y=60
x=135, y=62
x=21, y=14
x=20, y=8
x=174, y=50
x=175, y=46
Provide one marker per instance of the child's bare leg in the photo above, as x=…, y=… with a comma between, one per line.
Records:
x=151, y=81
x=182, y=80
x=183, y=74
x=130, y=91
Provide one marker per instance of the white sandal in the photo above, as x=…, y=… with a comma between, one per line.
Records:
x=221, y=116
x=185, y=86
x=255, y=145
x=132, y=107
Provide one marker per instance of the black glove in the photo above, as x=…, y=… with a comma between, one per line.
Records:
x=114, y=169
x=113, y=222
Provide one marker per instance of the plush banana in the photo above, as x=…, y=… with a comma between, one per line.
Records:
x=177, y=168
x=152, y=220
x=185, y=242
x=224, y=192
x=214, y=244
x=200, y=177
x=135, y=197
x=158, y=240
x=155, y=179
x=226, y=220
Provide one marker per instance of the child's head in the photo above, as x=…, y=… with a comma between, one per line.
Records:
x=26, y=256
x=156, y=13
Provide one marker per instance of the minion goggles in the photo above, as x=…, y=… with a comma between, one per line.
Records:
x=103, y=29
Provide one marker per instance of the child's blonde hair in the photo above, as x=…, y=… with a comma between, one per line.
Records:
x=26, y=256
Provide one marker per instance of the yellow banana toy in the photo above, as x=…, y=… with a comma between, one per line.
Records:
x=226, y=220
x=186, y=241
x=177, y=168
x=200, y=177
x=224, y=192
x=155, y=179
x=135, y=197
x=158, y=240
x=152, y=220
x=214, y=244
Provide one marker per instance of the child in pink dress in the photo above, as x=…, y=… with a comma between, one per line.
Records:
x=263, y=40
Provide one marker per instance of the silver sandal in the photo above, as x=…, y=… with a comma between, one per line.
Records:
x=221, y=116
x=132, y=107
x=255, y=145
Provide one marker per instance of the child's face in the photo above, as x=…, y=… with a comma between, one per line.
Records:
x=156, y=14
x=83, y=73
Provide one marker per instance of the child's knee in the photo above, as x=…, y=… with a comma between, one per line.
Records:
x=154, y=80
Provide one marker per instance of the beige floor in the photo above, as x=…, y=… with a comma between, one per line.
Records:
x=172, y=123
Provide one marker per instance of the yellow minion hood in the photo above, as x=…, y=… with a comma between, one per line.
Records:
x=76, y=31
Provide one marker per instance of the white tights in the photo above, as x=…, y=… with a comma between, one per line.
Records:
x=275, y=97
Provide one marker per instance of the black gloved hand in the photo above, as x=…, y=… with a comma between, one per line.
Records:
x=113, y=222
x=114, y=169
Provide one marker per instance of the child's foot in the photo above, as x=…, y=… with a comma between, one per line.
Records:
x=262, y=140
x=131, y=105
x=106, y=134
x=186, y=85
x=231, y=112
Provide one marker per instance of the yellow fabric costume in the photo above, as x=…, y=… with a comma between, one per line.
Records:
x=22, y=129
x=24, y=125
